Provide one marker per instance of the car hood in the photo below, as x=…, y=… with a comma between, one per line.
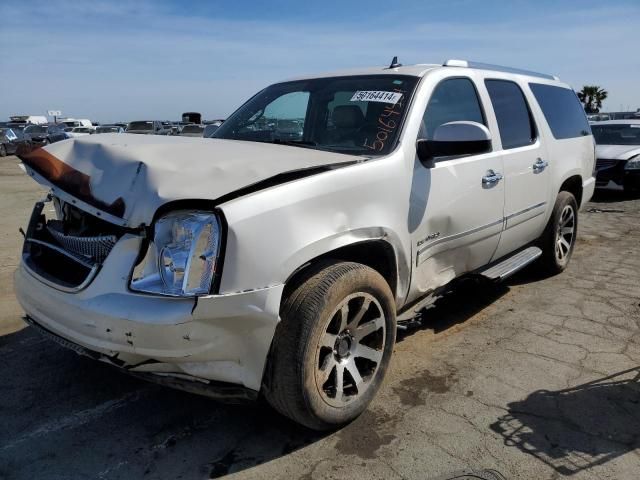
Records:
x=126, y=178
x=617, y=152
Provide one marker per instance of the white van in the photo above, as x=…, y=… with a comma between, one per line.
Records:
x=280, y=260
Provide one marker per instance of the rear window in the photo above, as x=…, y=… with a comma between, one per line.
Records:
x=562, y=110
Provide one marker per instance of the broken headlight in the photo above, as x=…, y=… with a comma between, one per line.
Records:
x=182, y=256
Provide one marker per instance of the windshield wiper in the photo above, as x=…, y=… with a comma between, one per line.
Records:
x=295, y=143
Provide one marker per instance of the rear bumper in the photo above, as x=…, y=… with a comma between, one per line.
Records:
x=220, y=338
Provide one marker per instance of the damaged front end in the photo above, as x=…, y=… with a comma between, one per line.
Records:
x=65, y=247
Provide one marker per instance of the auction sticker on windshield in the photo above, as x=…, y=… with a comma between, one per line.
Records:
x=376, y=96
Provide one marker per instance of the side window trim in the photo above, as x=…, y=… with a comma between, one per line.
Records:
x=483, y=112
x=535, y=132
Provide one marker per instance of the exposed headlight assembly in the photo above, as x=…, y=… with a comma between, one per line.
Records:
x=633, y=163
x=181, y=259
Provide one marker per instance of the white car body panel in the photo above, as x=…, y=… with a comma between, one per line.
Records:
x=440, y=223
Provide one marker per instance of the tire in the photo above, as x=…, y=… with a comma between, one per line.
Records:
x=3, y=150
x=315, y=353
x=557, y=247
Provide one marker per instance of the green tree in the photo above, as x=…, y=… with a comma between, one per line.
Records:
x=592, y=97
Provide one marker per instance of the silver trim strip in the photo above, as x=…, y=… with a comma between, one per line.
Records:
x=60, y=251
x=458, y=235
x=528, y=209
x=57, y=286
x=455, y=236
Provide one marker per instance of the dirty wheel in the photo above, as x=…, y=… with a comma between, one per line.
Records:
x=559, y=238
x=332, y=346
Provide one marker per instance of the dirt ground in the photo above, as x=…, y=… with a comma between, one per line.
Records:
x=538, y=379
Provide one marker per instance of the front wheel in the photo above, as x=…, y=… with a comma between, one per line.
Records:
x=3, y=151
x=559, y=237
x=332, y=347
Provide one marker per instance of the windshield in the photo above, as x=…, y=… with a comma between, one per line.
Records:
x=359, y=115
x=35, y=129
x=192, y=129
x=140, y=126
x=621, y=134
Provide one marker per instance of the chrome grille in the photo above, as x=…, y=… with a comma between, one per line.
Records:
x=96, y=248
x=604, y=163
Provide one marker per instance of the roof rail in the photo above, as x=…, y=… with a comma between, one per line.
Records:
x=497, y=68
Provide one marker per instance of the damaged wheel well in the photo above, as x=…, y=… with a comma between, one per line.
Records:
x=376, y=254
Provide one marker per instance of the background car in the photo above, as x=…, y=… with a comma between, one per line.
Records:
x=45, y=134
x=618, y=154
x=192, y=131
x=13, y=141
x=210, y=128
x=80, y=132
x=147, y=127
x=109, y=129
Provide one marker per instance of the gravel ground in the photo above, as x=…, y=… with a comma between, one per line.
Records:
x=539, y=378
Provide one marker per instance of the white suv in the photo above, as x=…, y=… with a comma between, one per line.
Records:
x=278, y=257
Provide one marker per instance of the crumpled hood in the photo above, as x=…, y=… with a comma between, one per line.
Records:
x=131, y=176
x=617, y=152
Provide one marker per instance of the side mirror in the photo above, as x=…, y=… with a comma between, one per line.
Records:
x=454, y=139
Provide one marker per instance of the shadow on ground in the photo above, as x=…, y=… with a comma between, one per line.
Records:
x=577, y=428
x=65, y=416
x=613, y=196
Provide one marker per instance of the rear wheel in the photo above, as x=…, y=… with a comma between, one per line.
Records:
x=332, y=347
x=3, y=150
x=559, y=237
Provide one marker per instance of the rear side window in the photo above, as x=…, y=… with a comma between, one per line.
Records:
x=452, y=100
x=562, y=110
x=512, y=113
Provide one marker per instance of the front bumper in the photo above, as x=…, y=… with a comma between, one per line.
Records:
x=613, y=176
x=219, y=338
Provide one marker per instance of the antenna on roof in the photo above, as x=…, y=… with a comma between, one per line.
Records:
x=394, y=63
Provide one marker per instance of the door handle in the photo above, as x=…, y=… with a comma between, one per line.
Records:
x=491, y=178
x=540, y=165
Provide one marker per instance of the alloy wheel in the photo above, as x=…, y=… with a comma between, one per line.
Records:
x=565, y=233
x=350, y=349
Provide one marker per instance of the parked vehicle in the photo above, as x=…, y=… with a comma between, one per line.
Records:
x=618, y=155
x=192, y=117
x=41, y=135
x=109, y=129
x=147, y=127
x=13, y=141
x=210, y=129
x=192, y=131
x=256, y=262
x=80, y=132
x=76, y=122
x=29, y=119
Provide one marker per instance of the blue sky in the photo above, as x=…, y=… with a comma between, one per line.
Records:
x=142, y=59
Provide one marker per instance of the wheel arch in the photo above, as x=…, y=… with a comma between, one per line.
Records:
x=378, y=254
x=573, y=185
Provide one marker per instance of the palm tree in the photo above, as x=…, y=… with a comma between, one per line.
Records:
x=592, y=97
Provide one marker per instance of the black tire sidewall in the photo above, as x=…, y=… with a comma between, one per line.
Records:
x=550, y=262
x=290, y=385
x=345, y=286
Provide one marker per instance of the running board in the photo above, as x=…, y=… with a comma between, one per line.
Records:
x=511, y=265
